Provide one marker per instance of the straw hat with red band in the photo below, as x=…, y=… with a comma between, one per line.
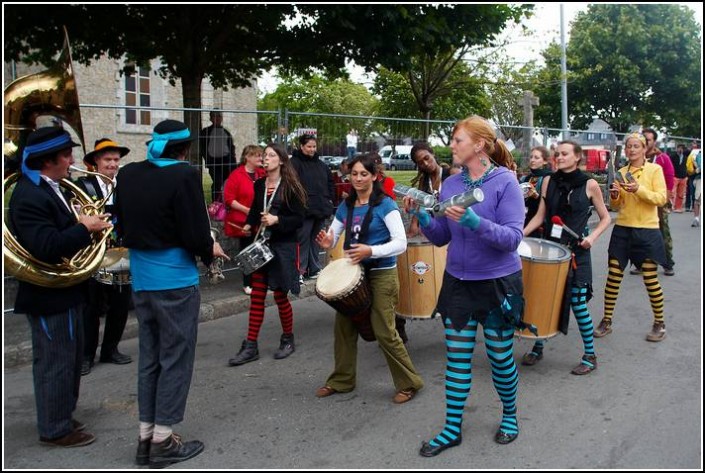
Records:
x=104, y=144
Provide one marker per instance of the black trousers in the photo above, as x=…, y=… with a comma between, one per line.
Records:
x=114, y=302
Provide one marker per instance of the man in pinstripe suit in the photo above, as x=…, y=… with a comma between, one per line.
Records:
x=41, y=219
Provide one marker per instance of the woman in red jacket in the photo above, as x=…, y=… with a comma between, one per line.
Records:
x=238, y=192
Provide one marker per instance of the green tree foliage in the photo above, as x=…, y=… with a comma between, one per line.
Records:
x=315, y=94
x=632, y=64
x=458, y=95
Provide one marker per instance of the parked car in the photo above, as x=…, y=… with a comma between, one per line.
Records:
x=402, y=162
x=334, y=161
x=387, y=151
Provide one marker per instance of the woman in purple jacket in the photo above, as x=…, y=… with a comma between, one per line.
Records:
x=482, y=281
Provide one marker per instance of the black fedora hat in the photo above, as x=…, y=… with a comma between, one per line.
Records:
x=47, y=141
x=173, y=126
x=104, y=144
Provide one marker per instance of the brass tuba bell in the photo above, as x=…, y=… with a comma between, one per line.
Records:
x=49, y=95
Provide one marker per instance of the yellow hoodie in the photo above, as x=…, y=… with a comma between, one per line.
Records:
x=639, y=209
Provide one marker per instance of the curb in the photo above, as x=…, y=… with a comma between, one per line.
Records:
x=21, y=353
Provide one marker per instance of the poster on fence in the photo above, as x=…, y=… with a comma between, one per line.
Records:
x=306, y=131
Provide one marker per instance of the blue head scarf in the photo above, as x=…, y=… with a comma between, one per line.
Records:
x=159, y=142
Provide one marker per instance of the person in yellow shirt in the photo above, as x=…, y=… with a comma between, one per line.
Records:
x=637, y=192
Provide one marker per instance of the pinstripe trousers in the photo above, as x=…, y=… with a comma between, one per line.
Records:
x=57, y=351
x=168, y=322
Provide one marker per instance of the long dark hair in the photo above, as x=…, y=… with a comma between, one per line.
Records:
x=291, y=185
x=417, y=179
x=368, y=162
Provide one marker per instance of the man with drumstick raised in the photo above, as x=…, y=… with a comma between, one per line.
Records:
x=567, y=198
x=374, y=235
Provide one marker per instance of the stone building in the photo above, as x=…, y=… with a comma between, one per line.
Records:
x=105, y=83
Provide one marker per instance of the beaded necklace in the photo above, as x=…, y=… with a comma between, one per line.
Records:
x=473, y=184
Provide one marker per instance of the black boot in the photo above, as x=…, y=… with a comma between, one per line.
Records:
x=286, y=346
x=248, y=352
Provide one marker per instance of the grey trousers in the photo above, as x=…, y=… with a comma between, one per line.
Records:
x=168, y=328
x=57, y=350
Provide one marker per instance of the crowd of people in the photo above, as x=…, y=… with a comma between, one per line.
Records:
x=155, y=208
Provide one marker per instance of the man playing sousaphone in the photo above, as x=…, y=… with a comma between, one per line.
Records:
x=44, y=224
x=105, y=159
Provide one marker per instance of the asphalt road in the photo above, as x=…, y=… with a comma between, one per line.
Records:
x=642, y=407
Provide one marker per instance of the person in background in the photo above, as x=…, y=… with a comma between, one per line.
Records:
x=539, y=172
x=386, y=181
x=317, y=179
x=679, y=160
x=44, y=224
x=217, y=149
x=238, y=193
x=351, y=140
x=113, y=300
x=695, y=167
x=162, y=219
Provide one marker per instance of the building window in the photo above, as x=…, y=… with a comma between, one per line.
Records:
x=591, y=136
x=137, y=94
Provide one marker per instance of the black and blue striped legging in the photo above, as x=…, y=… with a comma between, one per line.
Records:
x=459, y=349
x=578, y=302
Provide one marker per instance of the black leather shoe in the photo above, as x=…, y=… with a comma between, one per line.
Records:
x=86, y=367
x=428, y=450
x=505, y=438
x=117, y=358
x=142, y=457
x=173, y=450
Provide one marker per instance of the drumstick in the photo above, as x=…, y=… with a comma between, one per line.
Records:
x=558, y=221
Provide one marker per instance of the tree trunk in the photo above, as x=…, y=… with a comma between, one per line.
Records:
x=191, y=90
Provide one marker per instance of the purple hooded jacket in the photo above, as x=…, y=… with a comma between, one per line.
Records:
x=490, y=251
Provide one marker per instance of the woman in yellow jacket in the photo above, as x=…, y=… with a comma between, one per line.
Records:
x=639, y=189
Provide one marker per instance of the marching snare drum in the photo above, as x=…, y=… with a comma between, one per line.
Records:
x=420, y=271
x=253, y=257
x=545, y=266
x=342, y=285
x=115, y=268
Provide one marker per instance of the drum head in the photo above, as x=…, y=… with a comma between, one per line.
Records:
x=536, y=249
x=338, y=277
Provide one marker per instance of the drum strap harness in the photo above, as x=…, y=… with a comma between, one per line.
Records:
x=361, y=236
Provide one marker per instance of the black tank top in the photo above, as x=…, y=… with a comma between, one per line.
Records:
x=567, y=197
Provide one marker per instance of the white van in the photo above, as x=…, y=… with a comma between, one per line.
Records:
x=387, y=151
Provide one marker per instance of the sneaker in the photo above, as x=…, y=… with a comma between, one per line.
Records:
x=635, y=270
x=669, y=272
x=314, y=275
x=658, y=332
x=603, y=329
x=248, y=352
x=696, y=222
x=301, y=279
x=247, y=290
